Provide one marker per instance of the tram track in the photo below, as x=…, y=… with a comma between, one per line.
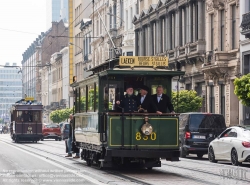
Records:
x=204, y=171
x=132, y=178
x=119, y=176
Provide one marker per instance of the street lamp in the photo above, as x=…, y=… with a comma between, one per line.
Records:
x=75, y=45
x=116, y=16
x=70, y=43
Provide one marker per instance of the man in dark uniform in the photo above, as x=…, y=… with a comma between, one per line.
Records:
x=25, y=116
x=128, y=102
x=162, y=101
x=145, y=102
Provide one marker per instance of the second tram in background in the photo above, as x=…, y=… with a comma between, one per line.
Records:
x=26, y=121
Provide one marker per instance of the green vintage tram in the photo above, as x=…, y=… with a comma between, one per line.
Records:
x=110, y=137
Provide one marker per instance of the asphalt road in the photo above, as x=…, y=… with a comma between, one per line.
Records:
x=44, y=163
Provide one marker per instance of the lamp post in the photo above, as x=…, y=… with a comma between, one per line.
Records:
x=116, y=16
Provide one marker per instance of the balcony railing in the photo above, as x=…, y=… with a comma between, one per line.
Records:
x=245, y=25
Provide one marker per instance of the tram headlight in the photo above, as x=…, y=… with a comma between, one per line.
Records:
x=147, y=129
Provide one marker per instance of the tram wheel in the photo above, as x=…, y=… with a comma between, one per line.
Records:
x=149, y=168
x=89, y=162
x=16, y=140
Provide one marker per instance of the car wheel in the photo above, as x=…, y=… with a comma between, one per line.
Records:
x=59, y=139
x=234, y=158
x=199, y=155
x=42, y=139
x=211, y=156
x=182, y=152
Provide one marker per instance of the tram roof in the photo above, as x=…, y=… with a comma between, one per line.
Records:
x=141, y=71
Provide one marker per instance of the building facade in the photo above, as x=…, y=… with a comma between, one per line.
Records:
x=10, y=89
x=222, y=61
x=30, y=71
x=244, y=112
x=175, y=29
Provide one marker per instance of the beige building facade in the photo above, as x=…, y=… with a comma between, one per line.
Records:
x=222, y=64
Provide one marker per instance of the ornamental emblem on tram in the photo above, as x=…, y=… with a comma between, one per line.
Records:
x=146, y=128
x=29, y=130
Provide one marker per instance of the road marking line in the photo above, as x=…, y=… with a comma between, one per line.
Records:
x=60, y=166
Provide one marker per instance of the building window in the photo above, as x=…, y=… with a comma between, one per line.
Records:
x=110, y=18
x=126, y=19
x=222, y=30
x=130, y=53
x=97, y=29
x=121, y=12
x=114, y=17
x=181, y=28
x=137, y=7
x=233, y=26
x=188, y=87
x=212, y=31
x=131, y=17
x=246, y=67
x=222, y=99
x=212, y=103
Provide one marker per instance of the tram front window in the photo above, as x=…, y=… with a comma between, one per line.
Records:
x=25, y=116
x=29, y=116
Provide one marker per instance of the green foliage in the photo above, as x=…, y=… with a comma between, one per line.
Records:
x=58, y=116
x=242, y=89
x=186, y=101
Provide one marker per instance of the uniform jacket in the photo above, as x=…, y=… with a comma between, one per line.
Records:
x=148, y=103
x=164, y=103
x=129, y=103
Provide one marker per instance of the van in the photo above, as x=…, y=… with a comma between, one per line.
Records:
x=197, y=130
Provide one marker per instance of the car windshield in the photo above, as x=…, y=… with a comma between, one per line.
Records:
x=52, y=126
x=199, y=122
x=66, y=126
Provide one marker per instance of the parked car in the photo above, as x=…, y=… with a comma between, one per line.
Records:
x=51, y=131
x=197, y=130
x=65, y=131
x=231, y=145
x=60, y=125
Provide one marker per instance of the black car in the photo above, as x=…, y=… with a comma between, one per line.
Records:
x=197, y=130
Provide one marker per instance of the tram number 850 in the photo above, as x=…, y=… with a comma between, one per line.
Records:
x=139, y=136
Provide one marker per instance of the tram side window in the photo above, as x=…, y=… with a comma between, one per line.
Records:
x=97, y=98
x=91, y=101
x=83, y=99
x=110, y=96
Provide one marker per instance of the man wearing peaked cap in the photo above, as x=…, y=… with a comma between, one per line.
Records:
x=128, y=101
x=145, y=101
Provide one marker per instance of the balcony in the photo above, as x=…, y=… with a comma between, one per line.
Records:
x=245, y=25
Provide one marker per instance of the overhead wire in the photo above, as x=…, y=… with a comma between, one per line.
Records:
x=69, y=25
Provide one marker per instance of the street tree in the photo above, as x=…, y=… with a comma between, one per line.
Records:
x=58, y=116
x=242, y=89
x=186, y=101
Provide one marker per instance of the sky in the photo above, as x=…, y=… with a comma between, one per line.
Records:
x=26, y=19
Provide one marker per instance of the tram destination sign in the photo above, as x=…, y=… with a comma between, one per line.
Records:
x=143, y=61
